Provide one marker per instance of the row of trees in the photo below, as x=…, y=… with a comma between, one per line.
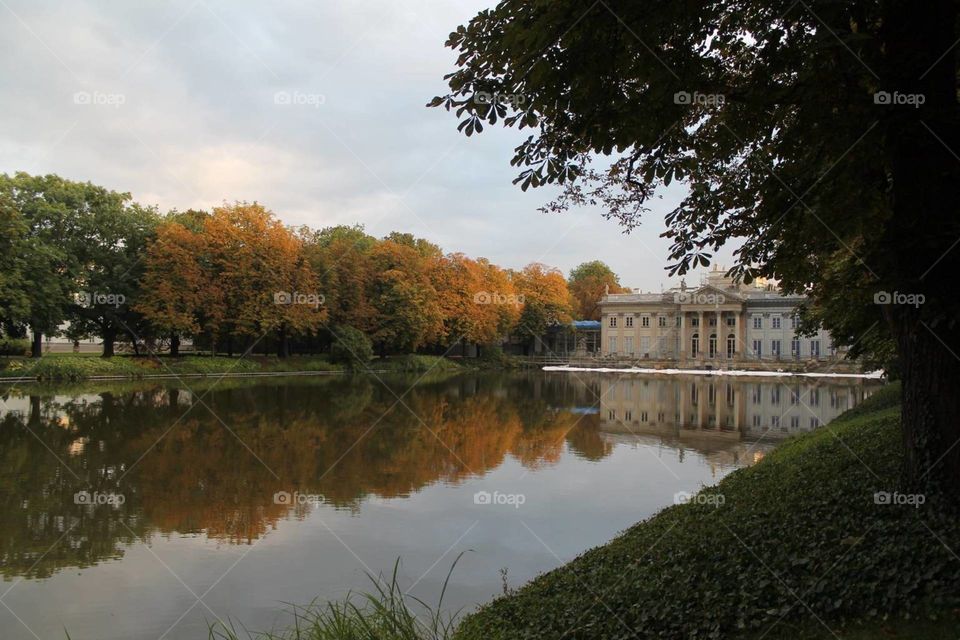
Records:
x=235, y=276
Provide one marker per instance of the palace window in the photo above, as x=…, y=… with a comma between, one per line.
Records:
x=645, y=321
x=731, y=345
x=815, y=348
x=628, y=344
x=662, y=321
x=731, y=321
x=794, y=422
x=627, y=415
x=695, y=322
x=644, y=344
x=756, y=421
x=613, y=321
x=757, y=348
x=757, y=322
x=815, y=397
x=775, y=395
x=613, y=344
x=775, y=348
x=713, y=345
x=795, y=347
x=794, y=321
x=712, y=321
x=629, y=321
x=814, y=423
x=775, y=421
x=775, y=322
x=695, y=344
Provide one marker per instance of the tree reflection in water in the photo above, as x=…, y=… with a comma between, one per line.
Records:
x=209, y=459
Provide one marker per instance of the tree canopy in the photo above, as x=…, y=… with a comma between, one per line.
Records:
x=822, y=136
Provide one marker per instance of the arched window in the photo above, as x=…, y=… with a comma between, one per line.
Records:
x=713, y=345
x=695, y=344
x=731, y=345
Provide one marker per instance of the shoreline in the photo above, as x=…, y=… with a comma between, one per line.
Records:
x=873, y=375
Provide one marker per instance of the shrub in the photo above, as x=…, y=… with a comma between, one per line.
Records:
x=351, y=347
x=14, y=347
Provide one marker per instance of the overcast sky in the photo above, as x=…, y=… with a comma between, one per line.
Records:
x=314, y=108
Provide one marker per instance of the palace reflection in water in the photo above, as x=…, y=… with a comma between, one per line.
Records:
x=725, y=415
x=209, y=460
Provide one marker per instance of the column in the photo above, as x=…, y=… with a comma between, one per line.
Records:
x=701, y=332
x=736, y=336
x=682, y=356
x=719, y=337
x=655, y=337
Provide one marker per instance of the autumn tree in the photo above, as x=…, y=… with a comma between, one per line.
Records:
x=180, y=296
x=546, y=300
x=264, y=273
x=588, y=283
x=341, y=257
x=408, y=311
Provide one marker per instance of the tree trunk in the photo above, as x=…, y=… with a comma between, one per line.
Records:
x=175, y=345
x=36, y=349
x=917, y=259
x=283, y=344
x=109, y=338
x=930, y=409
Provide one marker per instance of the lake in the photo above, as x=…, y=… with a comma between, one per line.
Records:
x=148, y=509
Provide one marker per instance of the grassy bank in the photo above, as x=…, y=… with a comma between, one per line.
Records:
x=799, y=548
x=798, y=537
x=84, y=366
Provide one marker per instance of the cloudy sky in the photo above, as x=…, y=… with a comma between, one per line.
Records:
x=314, y=108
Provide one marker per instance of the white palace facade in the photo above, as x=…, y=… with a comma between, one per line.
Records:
x=719, y=321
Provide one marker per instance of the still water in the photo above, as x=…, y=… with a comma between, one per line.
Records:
x=148, y=510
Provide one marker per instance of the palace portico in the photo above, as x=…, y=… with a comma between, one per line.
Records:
x=715, y=322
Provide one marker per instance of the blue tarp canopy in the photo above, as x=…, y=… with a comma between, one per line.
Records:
x=586, y=324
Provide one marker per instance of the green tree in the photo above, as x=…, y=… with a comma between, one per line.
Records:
x=49, y=210
x=350, y=347
x=822, y=134
x=14, y=301
x=113, y=237
x=588, y=283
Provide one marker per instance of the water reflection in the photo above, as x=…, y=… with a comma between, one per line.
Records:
x=208, y=460
x=726, y=418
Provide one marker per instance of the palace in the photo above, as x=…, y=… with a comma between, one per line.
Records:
x=718, y=322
